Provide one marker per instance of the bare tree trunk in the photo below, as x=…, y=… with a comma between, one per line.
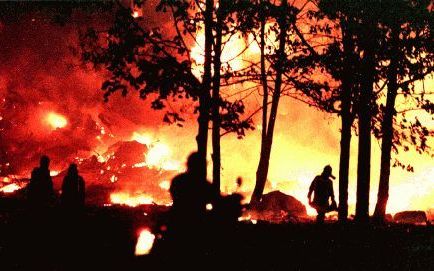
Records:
x=264, y=87
x=365, y=117
x=205, y=99
x=344, y=164
x=347, y=121
x=216, y=155
x=264, y=160
x=387, y=134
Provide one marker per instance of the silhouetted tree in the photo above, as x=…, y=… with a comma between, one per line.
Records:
x=364, y=49
x=278, y=71
x=157, y=61
x=331, y=46
x=264, y=159
x=340, y=59
x=408, y=43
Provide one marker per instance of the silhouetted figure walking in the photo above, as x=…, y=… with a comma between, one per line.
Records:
x=322, y=188
x=40, y=188
x=73, y=189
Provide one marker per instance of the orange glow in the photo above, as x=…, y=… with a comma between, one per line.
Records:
x=144, y=242
x=56, y=121
x=142, y=138
x=6, y=179
x=135, y=14
x=124, y=198
x=232, y=55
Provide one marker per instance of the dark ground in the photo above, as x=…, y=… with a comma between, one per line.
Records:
x=104, y=239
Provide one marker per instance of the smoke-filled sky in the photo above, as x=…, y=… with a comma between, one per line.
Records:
x=40, y=73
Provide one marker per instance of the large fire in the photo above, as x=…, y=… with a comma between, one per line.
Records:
x=82, y=126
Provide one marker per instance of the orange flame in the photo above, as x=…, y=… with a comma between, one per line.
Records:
x=158, y=155
x=10, y=188
x=124, y=198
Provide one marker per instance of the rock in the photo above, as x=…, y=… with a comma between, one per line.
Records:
x=278, y=207
x=411, y=217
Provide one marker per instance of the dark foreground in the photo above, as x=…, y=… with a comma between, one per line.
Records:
x=104, y=239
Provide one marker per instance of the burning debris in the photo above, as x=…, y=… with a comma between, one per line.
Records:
x=117, y=178
x=129, y=183
x=10, y=185
x=10, y=188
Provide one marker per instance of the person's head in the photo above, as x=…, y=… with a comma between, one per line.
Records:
x=194, y=163
x=44, y=162
x=72, y=170
x=327, y=172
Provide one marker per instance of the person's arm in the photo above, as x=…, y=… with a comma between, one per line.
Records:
x=311, y=188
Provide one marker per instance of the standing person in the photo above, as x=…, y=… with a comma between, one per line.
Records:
x=322, y=188
x=40, y=188
x=191, y=193
x=73, y=189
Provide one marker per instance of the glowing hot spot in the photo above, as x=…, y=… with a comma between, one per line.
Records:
x=130, y=200
x=142, y=138
x=54, y=173
x=10, y=188
x=158, y=155
x=165, y=185
x=56, y=121
x=144, y=242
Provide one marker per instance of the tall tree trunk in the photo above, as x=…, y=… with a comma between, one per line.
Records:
x=387, y=133
x=264, y=145
x=344, y=164
x=216, y=156
x=205, y=97
x=264, y=87
x=365, y=117
x=347, y=121
x=264, y=160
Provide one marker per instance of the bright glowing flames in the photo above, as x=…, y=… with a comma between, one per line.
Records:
x=158, y=155
x=142, y=138
x=124, y=198
x=165, y=185
x=10, y=188
x=56, y=121
x=144, y=242
x=54, y=173
x=231, y=55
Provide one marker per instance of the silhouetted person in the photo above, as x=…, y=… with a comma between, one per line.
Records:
x=322, y=188
x=40, y=189
x=191, y=193
x=73, y=189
